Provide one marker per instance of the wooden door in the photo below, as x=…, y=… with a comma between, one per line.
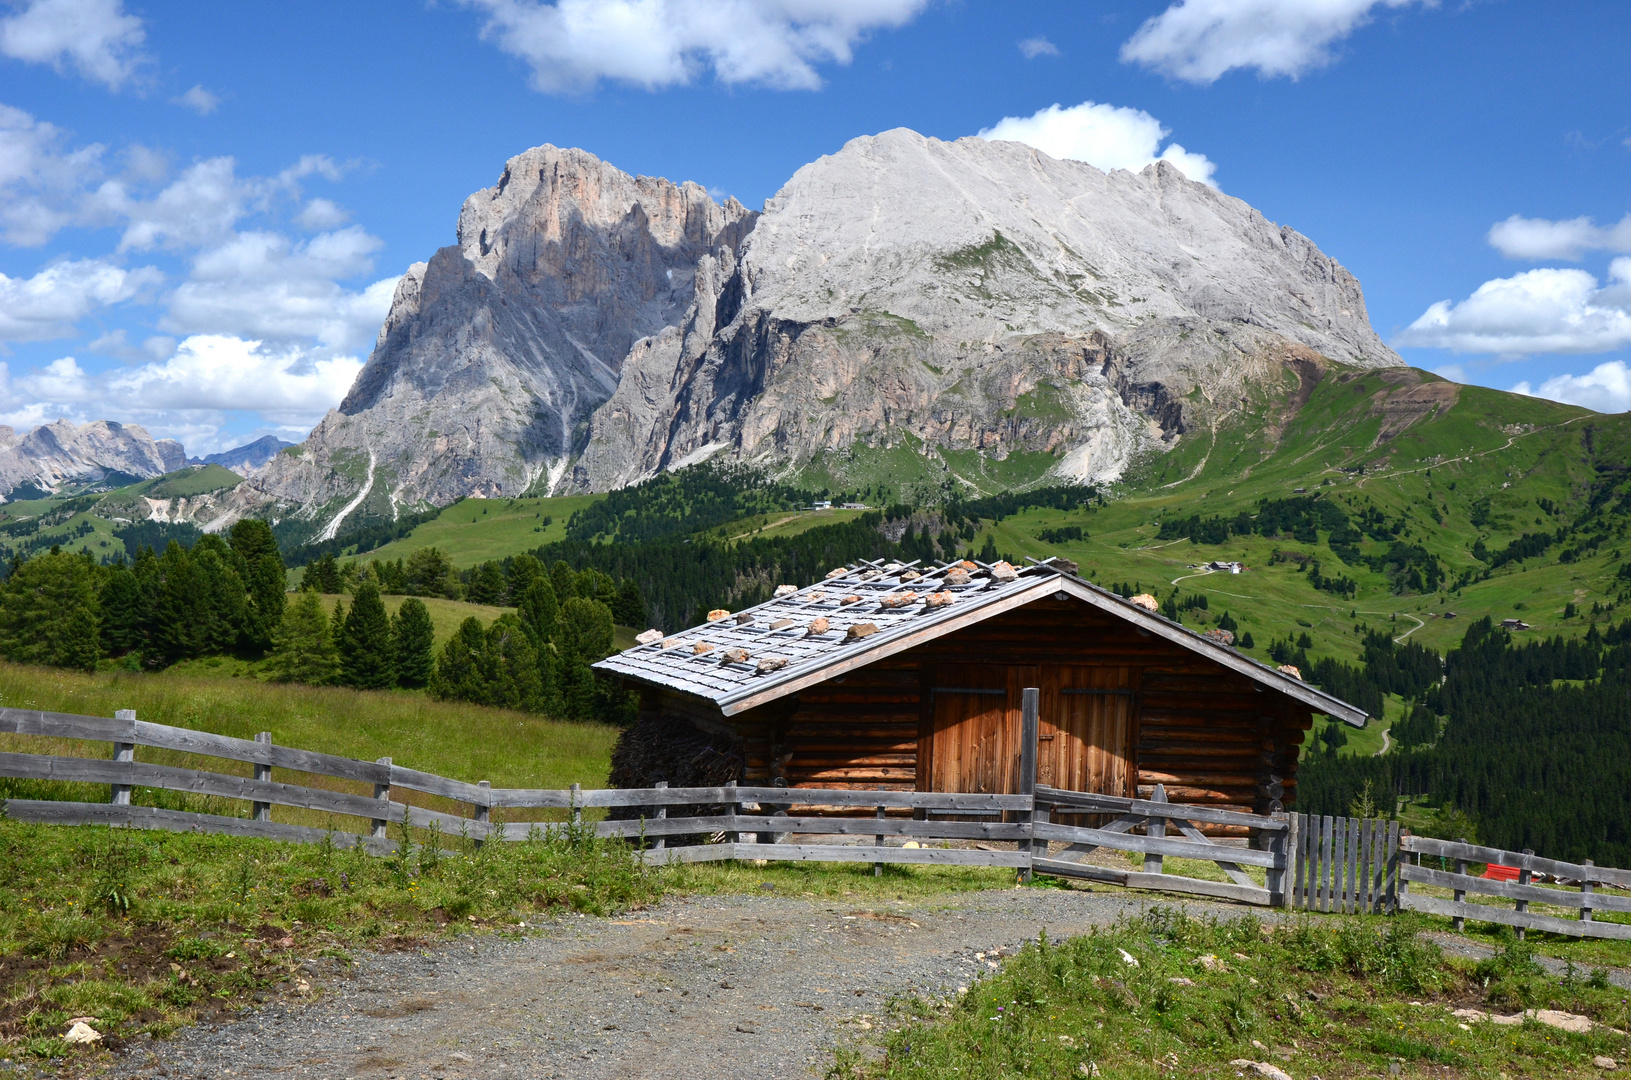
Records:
x=1085, y=730
x=973, y=742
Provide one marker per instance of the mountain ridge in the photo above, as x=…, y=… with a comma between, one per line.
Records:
x=978, y=311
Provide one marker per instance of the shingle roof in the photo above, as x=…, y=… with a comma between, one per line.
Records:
x=874, y=609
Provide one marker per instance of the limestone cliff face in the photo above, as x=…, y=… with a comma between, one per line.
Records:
x=976, y=297
x=62, y=453
x=962, y=302
x=496, y=352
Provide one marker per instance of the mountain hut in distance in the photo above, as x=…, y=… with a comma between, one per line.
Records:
x=904, y=678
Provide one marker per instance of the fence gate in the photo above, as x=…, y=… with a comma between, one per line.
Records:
x=1344, y=864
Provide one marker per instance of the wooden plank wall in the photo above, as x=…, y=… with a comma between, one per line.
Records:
x=1211, y=736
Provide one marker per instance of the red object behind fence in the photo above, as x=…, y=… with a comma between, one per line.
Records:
x=1497, y=872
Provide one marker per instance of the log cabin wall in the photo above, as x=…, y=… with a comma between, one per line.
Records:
x=1211, y=736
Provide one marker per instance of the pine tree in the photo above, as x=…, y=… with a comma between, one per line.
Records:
x=365, y=643
x=303, y=647
x=458, y=674
x=429, y=572
x=522, y=571
x=219, y=602
x=629, y=608
x=486, y=585
x=563, y=580
x=509, y=667
x=988, y=550
x=123, y=611
x=323, y=574
x=413, y=637
x=176, y=632
x=583, y=635
x=49, y=613
x=538, y=608
x=264, y=579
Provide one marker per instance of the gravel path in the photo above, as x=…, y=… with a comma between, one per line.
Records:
x=698, y=988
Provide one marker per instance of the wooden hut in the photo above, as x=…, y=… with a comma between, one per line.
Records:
x=903, y=678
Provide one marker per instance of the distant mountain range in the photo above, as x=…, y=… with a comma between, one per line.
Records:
x=248, y=457
x=62, y=456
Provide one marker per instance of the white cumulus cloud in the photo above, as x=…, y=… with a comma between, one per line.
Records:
x=199, y=100
x=1104, y=136
x=1537, y=238
x=1605, y=388
x=190, y=394
x=41, y=180
x=260, y=284
x=1549, y=310
x=48, y=304
x=573, y=44
x=97, y=38
x=223, y=372
x=1033, y=47
x=1200, y=40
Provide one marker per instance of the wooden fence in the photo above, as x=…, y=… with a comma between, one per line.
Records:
x=1585, y=875
x=1317, y=864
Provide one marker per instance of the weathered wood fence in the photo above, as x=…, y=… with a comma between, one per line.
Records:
x=1586, y=876
x=1319, y=864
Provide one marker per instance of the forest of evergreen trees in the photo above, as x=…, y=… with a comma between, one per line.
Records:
x=1531, y=740
x=226, y=597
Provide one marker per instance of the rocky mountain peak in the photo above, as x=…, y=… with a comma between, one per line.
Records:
x=971, y=311
x=499, y=347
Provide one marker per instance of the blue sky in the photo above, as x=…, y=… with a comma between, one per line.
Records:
x=203, y=208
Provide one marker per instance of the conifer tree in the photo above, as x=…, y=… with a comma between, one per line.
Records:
x=521, y=572
x=219, y=601
x=264, y=580
x=429, y=572
x=629, y=609
x=303, y=647
x=583, y=634
x=458, y=674
x=124, y=611
x=413, y=637
x=323, y=574
x=537, y=609
x=509, y=667
x=486, y=585
x=365, y=643
x=563, y=580
x=48, y=612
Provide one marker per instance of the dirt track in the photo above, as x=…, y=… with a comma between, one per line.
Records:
x=695, y=989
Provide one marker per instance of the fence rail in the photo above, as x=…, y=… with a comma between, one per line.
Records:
x=1586, y=875
x=1329, y=864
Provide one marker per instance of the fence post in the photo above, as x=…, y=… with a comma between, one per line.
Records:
x=263, y=772
x=733, y=808
x=1029, y=729
x=661, y=841
x=877, y=841
x=1523, y=879
x=1275, y=879
x=119, y=794
x=1396, y=885
x=1459, y=923
x=382, y=792
x=1586, y=889
x=1294, y=860
x=483, y=809
x=1155, y=826
x=577, y=804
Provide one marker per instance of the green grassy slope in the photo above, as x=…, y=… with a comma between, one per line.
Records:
x=473, y=531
